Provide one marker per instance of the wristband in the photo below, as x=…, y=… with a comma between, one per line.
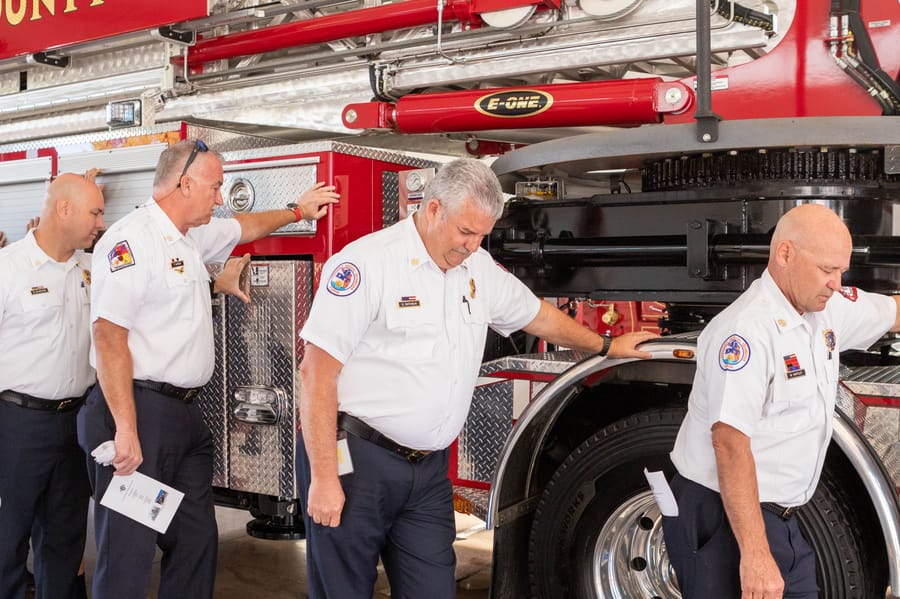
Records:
x=298, y=215
x=607, y=342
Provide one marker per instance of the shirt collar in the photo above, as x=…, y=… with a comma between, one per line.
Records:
x=416, y=253
x=785, y=315
x=166, y=226
x=38, y=258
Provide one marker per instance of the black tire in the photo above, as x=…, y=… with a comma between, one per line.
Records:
x=599, y=495
x=603, y=474
x=849, y=545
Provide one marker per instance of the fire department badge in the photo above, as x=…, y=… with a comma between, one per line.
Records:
x=734, y=353
x=120, y=257
x=86, y=275
x=472, y=288
x=851, y=293
x=830, y=341
x=344, y=280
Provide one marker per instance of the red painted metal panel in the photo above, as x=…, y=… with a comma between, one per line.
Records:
x=28, y=26
x=799, y=77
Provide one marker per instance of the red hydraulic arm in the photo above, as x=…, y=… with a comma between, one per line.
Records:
x=622, y=102
x=351, y=23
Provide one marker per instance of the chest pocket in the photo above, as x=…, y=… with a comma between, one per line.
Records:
x=40, y=308
x=180, y=288
x=475, y=312
x=793, y=402
x=411, y=333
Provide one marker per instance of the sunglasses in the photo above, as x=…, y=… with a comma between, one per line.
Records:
x=199, y=146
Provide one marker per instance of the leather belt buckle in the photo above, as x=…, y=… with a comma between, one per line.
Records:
x=783, y=512
x=190, y=394
x=63, y=404
x=414, y=455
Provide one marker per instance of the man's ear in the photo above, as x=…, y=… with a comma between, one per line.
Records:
x=784, y=252
x=433, y=208
x=63, y=207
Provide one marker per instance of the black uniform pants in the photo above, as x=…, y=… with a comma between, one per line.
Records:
x=394, y=509
x=178, y=451
x=705, y=555
x=42, y=483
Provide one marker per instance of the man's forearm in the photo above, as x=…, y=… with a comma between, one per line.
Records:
x=318, y=418
x=556, y=327
x=115, y=372
x=318, y=410
x=256, y=225
x=739, y=488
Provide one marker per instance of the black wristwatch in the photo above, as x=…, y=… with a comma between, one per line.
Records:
x=607, y=342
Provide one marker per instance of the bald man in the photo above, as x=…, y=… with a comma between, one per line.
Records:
x=751, y=449
x=45, y=283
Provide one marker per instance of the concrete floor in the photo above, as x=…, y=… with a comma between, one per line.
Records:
x=250, y=567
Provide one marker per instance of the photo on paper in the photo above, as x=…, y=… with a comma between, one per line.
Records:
x=143, y=499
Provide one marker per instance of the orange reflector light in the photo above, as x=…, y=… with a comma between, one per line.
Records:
x=462, y=505
x=684, y=354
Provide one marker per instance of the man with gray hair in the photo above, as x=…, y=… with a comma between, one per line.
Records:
x=153, y=350
x=393, y=347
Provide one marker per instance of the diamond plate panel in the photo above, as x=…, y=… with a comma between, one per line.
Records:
x=471, y=501
x=273, y=188
x=213, y=399
x=881, y=425
x=333, y=146
x=229, y=141
x=106, y=64
x=547, y=363
x=487, y=427
x=262, y=351
x=390, y=198
x=79, y=141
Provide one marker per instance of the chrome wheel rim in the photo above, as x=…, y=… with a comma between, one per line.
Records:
x=630, y=559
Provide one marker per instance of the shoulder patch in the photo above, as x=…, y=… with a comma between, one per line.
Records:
x=344, y=280
x=734, y=353
x=851, y=293
x=120, y=256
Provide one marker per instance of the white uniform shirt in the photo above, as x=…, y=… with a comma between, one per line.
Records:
x=409, y=336
x=772, y=374
x=151, y=280
x=44, y=327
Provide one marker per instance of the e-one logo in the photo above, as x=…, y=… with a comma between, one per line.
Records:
x=514, y=104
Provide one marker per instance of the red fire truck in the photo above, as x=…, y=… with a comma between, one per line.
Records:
x=648, y=146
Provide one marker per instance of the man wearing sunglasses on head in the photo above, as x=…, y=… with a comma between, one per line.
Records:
x=153, y=350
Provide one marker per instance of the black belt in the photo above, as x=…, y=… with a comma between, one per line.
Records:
x=785, y=513
x=358, y=428
x=185, y=394
x=36, y=403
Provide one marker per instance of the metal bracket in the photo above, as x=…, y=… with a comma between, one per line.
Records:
x=51, y=60
x=699, y=238
x=185, y=38
x=892, y=160
x=707, y=120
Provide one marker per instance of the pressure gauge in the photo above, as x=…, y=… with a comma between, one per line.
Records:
x=415, y=182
